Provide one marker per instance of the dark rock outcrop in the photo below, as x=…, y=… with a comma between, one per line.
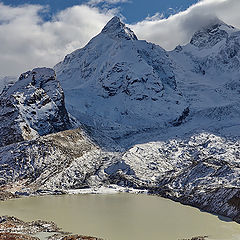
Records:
x=33, y=106
x=12, y=228
x=16, y=236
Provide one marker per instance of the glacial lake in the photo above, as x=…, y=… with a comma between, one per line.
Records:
x=122, y=217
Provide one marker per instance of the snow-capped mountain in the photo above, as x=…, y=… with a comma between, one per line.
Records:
x=195, y=160
x=215, y=47
x=33, y=106
x=207, y=73
x=119, y=84
x=163, y=121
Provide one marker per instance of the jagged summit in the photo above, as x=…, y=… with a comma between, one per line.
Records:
x=37, y=78
x=212, y=33
x=116, y=29
x=117, y=83
x=214, y=23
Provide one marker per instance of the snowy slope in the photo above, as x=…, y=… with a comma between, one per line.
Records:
x=207, y=73
x=119, y=84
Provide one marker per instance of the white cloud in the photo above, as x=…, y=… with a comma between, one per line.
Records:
x=27, y=41
x=178, y=28
x=156, y=17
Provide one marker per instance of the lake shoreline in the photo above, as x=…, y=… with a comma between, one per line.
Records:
x=112, y=189
x=149, y=205
x=12, y=228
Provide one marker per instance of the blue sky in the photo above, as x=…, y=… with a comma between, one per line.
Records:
x=133, y=10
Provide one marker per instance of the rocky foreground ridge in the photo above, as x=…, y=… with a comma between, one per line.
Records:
x=12, y=228
x=167, y=122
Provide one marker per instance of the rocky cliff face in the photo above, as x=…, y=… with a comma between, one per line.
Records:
x=33, y=106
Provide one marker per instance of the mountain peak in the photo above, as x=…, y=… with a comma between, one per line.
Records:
x=211, y=34
x=217, y=25
x=116, y=29
x=115, y=21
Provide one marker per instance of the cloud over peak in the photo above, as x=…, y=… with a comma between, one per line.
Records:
x=179, y=28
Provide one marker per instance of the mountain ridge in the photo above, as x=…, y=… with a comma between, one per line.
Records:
x=167, y=122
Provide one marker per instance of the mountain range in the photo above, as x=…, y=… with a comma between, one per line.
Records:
x=127, y=112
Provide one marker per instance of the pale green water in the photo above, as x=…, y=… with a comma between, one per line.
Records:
x=122, y=217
